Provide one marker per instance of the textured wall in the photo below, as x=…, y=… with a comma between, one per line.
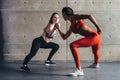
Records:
x=24, y=20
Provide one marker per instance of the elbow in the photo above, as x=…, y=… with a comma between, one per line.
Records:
x=64, y=38
x=89, y=16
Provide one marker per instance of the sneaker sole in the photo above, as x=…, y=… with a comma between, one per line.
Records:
x=93, y=67
x=24, y=70
x=70, y=74
x=50, y=64
x=74, y=75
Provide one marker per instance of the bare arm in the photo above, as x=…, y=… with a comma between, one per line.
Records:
x=64, y=36
x=92, y=19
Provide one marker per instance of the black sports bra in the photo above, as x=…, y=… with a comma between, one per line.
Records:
x=49, y=35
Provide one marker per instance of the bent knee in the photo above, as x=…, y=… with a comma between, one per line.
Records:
x=57, y=46
x=72, y=45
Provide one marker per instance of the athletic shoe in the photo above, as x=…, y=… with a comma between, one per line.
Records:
x=49, y=63
x=25, y=68
x=76, y=73
x=94, y=66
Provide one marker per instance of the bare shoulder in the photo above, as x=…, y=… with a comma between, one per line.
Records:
x=77, y=16
x=47, y=27
x=82, y=16
x=48, y=24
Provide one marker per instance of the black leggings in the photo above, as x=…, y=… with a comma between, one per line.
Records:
x=40, y=43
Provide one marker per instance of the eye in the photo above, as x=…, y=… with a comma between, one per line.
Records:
x=54, y=17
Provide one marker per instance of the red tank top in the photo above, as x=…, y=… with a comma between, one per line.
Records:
x=77, y=26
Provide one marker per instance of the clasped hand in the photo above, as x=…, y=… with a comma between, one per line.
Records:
x=57, y=25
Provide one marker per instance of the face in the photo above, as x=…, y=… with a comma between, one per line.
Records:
x=64, y=16
x=56, y=18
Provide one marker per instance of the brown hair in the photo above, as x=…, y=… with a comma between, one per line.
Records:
x=50, y=21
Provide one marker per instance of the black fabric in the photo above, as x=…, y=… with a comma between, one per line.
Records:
x=40, y=43
x=48, y=35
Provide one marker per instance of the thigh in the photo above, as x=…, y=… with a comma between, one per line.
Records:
x=49, y=45
x=84, y=42
x=96, y=47
x=35, y=46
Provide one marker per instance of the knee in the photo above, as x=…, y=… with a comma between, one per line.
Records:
x=30, y=55
x=57, y=46
x=71, y=45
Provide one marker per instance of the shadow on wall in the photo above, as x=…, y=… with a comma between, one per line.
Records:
x=1, y=35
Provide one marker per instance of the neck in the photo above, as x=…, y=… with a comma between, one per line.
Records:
x=71, y=18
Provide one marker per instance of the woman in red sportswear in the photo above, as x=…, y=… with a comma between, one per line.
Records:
x=91, y=38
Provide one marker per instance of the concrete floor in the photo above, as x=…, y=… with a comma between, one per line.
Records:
x=107, y=71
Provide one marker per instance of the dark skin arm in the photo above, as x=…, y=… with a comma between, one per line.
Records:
x=91, y=18
x=64, y=36
x=84, y=30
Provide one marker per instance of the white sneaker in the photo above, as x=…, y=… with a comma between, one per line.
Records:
x=94, y=66
x=76, y=73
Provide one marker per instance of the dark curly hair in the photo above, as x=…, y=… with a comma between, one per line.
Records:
x=68, y=11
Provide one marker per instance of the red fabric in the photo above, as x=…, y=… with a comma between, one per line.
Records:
x=76, y=26
x=90, y=41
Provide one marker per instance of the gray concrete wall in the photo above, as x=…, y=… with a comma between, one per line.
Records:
x=24, y=20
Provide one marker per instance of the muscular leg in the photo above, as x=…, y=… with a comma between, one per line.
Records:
x=74, y=49
x=84, y=42
x=95, y=50
x=75, y=54
x=34, y=49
